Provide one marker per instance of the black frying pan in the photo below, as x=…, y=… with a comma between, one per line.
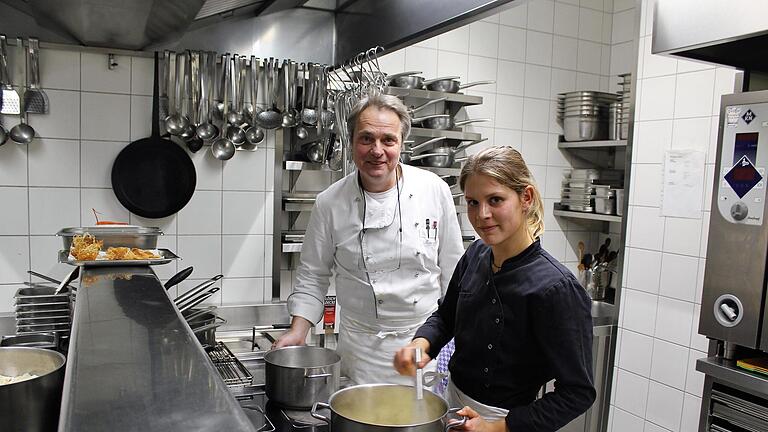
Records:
x=153, y=177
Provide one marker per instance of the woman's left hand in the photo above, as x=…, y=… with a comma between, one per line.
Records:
x=477, y=423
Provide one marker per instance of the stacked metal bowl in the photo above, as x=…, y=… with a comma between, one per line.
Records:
x=41, y=313
x=581, y=188
x=584, y=114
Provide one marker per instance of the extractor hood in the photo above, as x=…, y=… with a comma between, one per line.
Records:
x=733, y=33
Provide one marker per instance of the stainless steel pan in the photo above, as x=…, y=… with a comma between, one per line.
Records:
x=413, y=111
x=446, y=122
x=441, y=157
x=408, y=80
x=197, y=289
x=407, y=152
x=451, y=84
x=197, y=300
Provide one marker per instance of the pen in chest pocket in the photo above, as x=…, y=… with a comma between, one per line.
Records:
x=427, y=227
x=434, y=228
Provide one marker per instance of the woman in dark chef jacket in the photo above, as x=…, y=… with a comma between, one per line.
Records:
x=519, y=317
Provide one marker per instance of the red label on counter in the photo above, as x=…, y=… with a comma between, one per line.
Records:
x=329, y=312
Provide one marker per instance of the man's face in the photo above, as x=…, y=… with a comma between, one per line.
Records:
x=376, y=148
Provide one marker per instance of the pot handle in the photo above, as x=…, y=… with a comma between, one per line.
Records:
x=430, y=81
x=419, y=119
x=210, y=326
x=423, y=155
x=426, y=104
x=466, y=144
x=472, y=84
x=321, y=417
x=460, y=423
x=463, y=122
x=426, y=143
x=319, y=375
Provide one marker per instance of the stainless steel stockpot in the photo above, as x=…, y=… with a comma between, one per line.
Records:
x=299, y=376
x=31, y=405
x=386, y=408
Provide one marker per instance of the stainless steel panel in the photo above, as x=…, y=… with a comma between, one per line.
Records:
x=725, y=371
x=134, y=364
x=736, y=252
x=730, y=33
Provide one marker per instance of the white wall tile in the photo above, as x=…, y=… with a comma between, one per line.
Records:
x=511, y=78
x=242, y=291
x=509, y=112
x=486, y=110
x=167, y=224
x=534, y=149
x=203, y=252
x=674, y=319
x=562, y=81
x=428, y=43
x=97, y=77
x=590, y=25
x=631, y=392
x=646, y=182
x=13, y=164
x=97, y=159
x=566, y=20
x=623, y=27
x=14, y=259
x=565, y=53
x=52, y=209
x=656, y=64
x=482, y=69
x=698, y=342
x=456, y=40
x=541, y=15
x=681, y=236
x=508, y=137
x=202, y=215
x=64, y=118
x=724, y=84
x=54, y=162
x=512, y=43
x=694, y=381
x=652, y=138
x=652, y=427
x=61, y=69
x=14, y=217
x=452, y=64
x=538, y=48
x=690, y=100
x=589, y=57
x=141, y=114
x=657, y=99
x=690, y=414
x=676, y=277
x=624, y=421
x=243, y=213
x=45, y=257
x=670, y=364
x=142, y=75
x=210, y=170
x=622, y=58
x=421, y=59
x=556, y=156
x=536, y=115
x=622, y=5
x=394, y=61
x=246, y=171
x=103, y=201
x=243, y=256
x=105, y=117
x=588, y=81
x=483, y=39
x=647, y=229
x=665, y=405
x=592, y=4
x=685, y=65
x=537, y=81
x=639, y=311
x=515, y=16
x=635, y=354
x=643, y=269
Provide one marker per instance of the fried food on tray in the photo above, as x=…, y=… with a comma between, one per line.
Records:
x=85, y=247
x=124, y=253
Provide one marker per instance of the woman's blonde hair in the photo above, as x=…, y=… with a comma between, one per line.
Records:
x=507, y=167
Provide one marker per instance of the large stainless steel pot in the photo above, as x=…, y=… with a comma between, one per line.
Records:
x=31, y=405
x=386, y=407
x=299, y=376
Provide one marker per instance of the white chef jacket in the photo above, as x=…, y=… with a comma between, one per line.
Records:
x=380, y=311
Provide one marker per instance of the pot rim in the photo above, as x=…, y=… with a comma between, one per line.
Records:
x=269, y=354
x=45, y=351
x=382, y=385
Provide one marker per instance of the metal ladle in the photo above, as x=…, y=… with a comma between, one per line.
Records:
x=176, y=123
x=22, y=133
x=223, y=148
x=254, y=135
x=271, y=118
x=207, y=130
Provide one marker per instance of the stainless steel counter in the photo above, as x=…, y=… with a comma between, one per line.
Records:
x=134, y=365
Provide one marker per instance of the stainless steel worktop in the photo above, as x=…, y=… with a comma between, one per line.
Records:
x=134, y=365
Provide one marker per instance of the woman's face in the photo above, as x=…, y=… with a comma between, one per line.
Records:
x=497, y=212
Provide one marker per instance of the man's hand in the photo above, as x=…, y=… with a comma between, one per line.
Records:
x=296, y=335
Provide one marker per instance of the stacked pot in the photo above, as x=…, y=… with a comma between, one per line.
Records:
x=619, y=113
x=584, y=114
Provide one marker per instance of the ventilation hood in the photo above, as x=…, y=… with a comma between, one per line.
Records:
x=732, y=33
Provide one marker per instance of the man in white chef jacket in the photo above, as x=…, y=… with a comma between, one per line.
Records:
x=389, y=235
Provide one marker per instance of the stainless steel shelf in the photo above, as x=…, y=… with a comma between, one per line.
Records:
x=591, y=144
x=450, y=134
x=584, y=215
x=304, y=166
x=455, y=172
x=299, y=202
x=726, y=371
x=458, y=98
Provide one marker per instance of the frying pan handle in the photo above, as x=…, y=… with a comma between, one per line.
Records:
x=472, y=84
x=320, y=417
x=419, y=119
x=218, y=323
x=469, y=143
x=426, y=104
x=199, y=312
x=424, y=155
x=426, y=143
x=463, y=122
x=199, y=299
x=156, y=99
x=178, y=277
x=430, y=81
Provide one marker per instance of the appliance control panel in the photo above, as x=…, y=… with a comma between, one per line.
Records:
x=743, y=158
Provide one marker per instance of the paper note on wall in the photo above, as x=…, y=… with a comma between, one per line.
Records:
x=683, y=183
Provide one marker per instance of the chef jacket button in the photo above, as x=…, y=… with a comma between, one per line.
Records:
x=373, y=281
x=410, y=195
x=381, y=301
x=487, y=283
x=493, y=301
x=368, y=258
x=497, y=320
x=418, y=253
x=490, y=346
x=415, y=301
x=416, y=275
x=485, y=370
x=487, y=385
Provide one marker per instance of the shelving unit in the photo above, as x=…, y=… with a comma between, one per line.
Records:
x=453, y=101
x=591, y=144
x=584, y=215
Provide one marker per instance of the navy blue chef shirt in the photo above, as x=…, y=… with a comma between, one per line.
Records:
x=516, y=330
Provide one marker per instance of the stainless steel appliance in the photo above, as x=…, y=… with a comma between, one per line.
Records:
x=733, y=302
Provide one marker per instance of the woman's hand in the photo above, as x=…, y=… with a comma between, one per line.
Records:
x=405, y=363
x=477, y=423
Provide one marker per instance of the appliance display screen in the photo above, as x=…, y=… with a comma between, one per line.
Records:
x=746, y=145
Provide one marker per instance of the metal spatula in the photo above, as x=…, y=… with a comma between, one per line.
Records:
x=35, y=99
x=10, y=99
x=419, y=376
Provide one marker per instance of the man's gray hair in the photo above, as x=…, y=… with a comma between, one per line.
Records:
x=381, y=101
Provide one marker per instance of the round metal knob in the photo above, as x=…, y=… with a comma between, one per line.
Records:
x=739, y=211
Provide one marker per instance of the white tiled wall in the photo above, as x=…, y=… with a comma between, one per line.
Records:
x=656, y=386
x=56, y=180
x=533, y=51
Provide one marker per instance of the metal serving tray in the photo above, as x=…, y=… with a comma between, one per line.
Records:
x=35, y=313
x=166, y=256
x=41, y=307
x=39, y=295
x=63, y=319
x=115, y=235
x=25, y=329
